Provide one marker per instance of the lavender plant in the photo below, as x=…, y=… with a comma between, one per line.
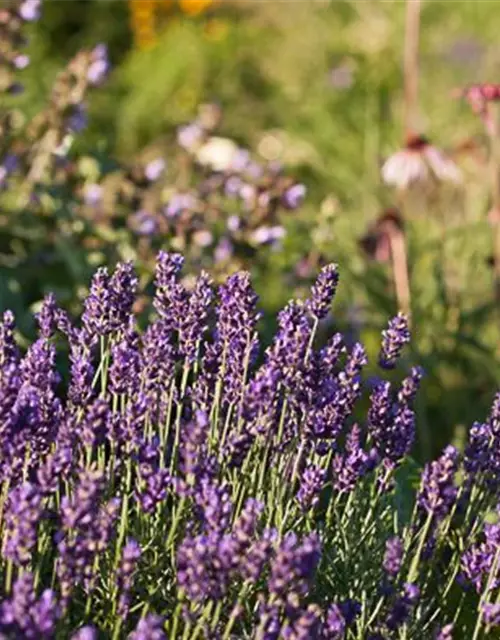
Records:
x=184, y=484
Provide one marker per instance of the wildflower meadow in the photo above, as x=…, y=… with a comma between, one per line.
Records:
x=249, y=320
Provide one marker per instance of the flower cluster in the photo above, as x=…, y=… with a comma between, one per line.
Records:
x=178, y=483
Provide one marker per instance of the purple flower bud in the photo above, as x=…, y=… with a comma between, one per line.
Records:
x=438, y=491
x=335, y=625
x=21, y=61
x=149, y=628
x=311, y=484
x=294, y=565
x=394, y=339
x=294, y=196
x=25, y=616
x=92, y=194
x=30, y=10
x=23, y=514
x=99, y=66
x=77, y=119
x=144, y=223
x=130, y=555
x=154, y=169
x=323, y=291
x=393, y=556
x=490, y=614
x=190, y=136
x=48, y=317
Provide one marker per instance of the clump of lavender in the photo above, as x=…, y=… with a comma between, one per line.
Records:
x=179, y=484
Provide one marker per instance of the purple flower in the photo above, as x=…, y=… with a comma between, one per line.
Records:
x=23, y=513
x=490, y=614
x=331, y=353
x=77, y=119
x=154, y=169
x=349, y=467
x=391, y=425
x=82, y=368
x=194, y=323
x=311, y=483
x=294, y=196
x=293, y=567
x=170, y=299
x=85, y=633
x=402, y=607
x=87, y=528
x=223, y=251
x=144, y=223
x=323, y=291
x=394, y=339
x=153, y=488
x=130, y=555
x=9, y=352
x=268, y=235
x=97, y=305
x=201, y=570
x=393, y=556
x=124, y=370
x=25, y=616
x=99, y=65
x=149, y=628
x=215, y=504
x=48, y=316
x=30, y=10
x=190, y=136
x=438, y=491
x=180, y=202
x=236, y=333
x=92, y=194
x=477, y=561
x=306, y=626
x=410, y=386
x=335, y=625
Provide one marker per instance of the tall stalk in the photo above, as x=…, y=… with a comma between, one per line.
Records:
x=411, y=64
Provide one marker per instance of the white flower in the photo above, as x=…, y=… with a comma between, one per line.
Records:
x=416, y=163
x=217, y=153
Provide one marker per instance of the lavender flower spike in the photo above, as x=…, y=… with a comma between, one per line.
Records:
x=323, y=291
x=394, y=339
x=393, y=556
x=149, y=628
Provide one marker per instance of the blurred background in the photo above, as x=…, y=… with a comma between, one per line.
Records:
x=270, y=136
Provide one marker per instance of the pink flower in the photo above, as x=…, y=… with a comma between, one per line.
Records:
x=417, y=163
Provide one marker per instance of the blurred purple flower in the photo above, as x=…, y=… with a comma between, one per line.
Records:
x=21, y=61
x=92, y=194
x=393, y=556
x=30, y=10
x=190, y=136
x=294, y=196
x=99, y=66
x=144, y=223
x=154, y=169
x=149, y=628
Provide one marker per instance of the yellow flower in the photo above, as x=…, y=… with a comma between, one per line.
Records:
x=194, y=7
x=142, y=15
